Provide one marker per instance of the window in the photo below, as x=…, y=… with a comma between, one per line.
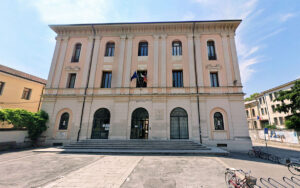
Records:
x=26, y=93
x=262, y=111
x=218, y=121
x=264, y=100
x=253, y=113
x=106, y=80
x=2, y=84
x=71, y=80
x=214, y=81
x=266, y=110
x=110, y=49
x=177, y=78
x=141, y=80
x=64, y=121
x=176, y=48
x=281, y=120
x=275, y=121
x=76, y=53
x=247, y=112
x=255, y=125
x=259, y=100
x=271, y=96
x=276, y=95
x=211, y=50
x=143, y=49
x=273, y=108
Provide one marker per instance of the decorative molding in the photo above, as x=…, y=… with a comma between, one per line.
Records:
x=71, y=68
x=142, y=67
x=216, y=67
x=177, y=66
x=107, y=67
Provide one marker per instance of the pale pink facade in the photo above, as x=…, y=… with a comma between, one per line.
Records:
x=160, y=97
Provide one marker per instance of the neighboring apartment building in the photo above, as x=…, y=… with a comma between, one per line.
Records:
x=20, y=90
x=156, y=81
x=264, y=108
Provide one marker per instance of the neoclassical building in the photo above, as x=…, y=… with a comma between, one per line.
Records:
x=155, y=81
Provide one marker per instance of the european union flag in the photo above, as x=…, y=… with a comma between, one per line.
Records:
x=133, y=76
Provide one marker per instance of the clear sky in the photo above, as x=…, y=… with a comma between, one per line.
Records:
x=268, y=40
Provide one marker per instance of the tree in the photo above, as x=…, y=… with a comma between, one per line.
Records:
x=252, y=97
x=290, y=102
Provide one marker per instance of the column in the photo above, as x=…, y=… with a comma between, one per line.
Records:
x=94, y=61
x=60, y=62
x=155, y=71
x=199, y=67
x=54, y=61
x=128, y=61
x=234, y=60
x=191, y=60
x=226, y=59
x=163, y=63
x=120, y=62
x=87, y=60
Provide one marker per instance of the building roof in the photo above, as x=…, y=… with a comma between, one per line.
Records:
x=127, y=26
x=21, y=74
x=278, y=87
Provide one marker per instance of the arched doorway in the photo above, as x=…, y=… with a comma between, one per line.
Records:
x=101, y=124
x=139, y=124
x=179, y=124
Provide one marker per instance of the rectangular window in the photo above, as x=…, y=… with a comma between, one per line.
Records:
x=273, y=108
x=141, y=80
x=71, y=80
x=281, y=120
x=259, y=100
x=143, y=49
x=275, y=121
x=266, y=110
x=262, y=111
x=211, y=50
x=177, y=78
x=271, y=96
x=1, y=87
x=106, y=80
x=26, y=93
x=110, y=49
x=264, y=100
x=214, y=80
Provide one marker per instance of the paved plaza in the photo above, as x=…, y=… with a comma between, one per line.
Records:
x=44, y=169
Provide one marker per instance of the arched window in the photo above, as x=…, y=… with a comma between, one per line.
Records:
x=76, y=53
x=110, y=49
x=143, y=49
x=253, y=112
x=211, y=50
x=176, y=48
x=218, y=121
x=64, y=121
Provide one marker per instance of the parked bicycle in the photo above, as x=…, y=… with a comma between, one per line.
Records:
x=239, y=179
x=263, y=155
x=294, y=168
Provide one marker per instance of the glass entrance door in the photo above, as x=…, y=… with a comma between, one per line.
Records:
x=101, y=124
x=139, y=124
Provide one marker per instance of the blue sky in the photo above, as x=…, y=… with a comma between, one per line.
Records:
x=268, y=42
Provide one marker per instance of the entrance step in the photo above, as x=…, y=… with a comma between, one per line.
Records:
x=141, y=147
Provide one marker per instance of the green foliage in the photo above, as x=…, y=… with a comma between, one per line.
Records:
x=34, y=122
x=252, y=97
x=293, y=96
x=270, y=126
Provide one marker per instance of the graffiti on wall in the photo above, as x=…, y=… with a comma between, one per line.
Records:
x=285, y=136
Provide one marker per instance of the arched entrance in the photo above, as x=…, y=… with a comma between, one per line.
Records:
x=101, y=124
x=139, y=124
x=179, y=124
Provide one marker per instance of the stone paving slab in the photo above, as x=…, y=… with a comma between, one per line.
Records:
x=110, y=171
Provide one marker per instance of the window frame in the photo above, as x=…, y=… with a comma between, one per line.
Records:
x=211, y=50
x=222, y=122
x=176, y=50
x=213, y=79
x=110, y=49
x=177, y=79
x=143, y=48
x=60, y=125
x=2, y=85
x=69, y=83
x=76, y=53
x=26, y=94
x=106, y=79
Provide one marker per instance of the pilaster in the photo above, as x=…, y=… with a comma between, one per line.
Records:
x=191, y=60
x=155, y=71
x=226, y=59
x=128, y=61
x=94, y=61
x=120, y=62
x=199, y=65
x=237, y=79
x=87, y=62
x=163, y=63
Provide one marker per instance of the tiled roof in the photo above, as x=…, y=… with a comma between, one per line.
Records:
x=23, y=75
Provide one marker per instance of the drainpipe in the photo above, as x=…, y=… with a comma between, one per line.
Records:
x=41, y=99
x=87, y=83
x=196, y=77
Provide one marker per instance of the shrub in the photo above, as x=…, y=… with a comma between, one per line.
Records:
x=270, y=126
x=34, y=122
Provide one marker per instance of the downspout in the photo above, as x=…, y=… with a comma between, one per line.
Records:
x=87, y=82
x=197, y=87
x=41, y=99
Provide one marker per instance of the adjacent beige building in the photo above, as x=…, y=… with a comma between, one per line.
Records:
x=155, y=81
x=20, y=90
x=261, y=111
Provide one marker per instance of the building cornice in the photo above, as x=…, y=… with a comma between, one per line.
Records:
x=111, y=29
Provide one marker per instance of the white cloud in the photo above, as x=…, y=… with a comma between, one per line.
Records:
x=286, y=17
x=70, y=11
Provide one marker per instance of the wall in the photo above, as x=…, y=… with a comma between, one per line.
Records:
x=17, y=136
x=276, y=136
x=13, y=90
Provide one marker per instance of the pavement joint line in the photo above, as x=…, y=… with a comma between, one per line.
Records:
x=221, y=162
x=131, y=170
